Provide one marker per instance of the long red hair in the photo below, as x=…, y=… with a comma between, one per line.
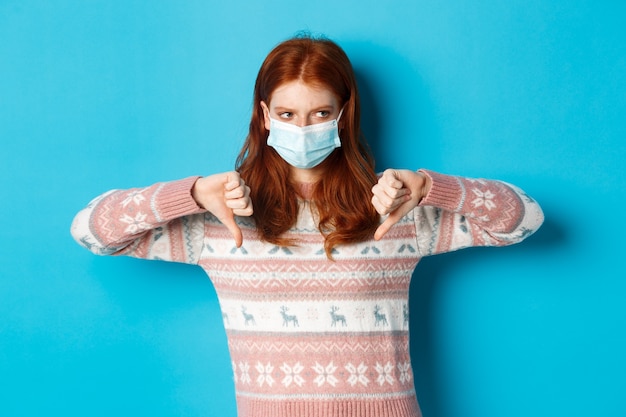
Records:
x=342, y=196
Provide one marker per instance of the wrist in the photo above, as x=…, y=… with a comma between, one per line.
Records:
x=426, y=183
x=195, y=193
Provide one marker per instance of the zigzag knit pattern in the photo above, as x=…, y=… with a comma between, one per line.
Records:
x=309, y=336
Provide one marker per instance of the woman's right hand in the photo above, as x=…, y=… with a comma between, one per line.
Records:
x=225, y=195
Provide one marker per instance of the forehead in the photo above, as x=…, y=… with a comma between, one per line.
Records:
x=296, y=94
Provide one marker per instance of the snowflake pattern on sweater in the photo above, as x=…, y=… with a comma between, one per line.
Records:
x=309, y=336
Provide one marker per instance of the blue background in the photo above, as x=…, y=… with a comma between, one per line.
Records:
x=97, y=95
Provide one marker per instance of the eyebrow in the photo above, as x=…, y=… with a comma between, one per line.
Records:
x=279, y=109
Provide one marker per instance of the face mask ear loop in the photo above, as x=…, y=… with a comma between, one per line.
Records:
x=340, y=113
x=339, y=117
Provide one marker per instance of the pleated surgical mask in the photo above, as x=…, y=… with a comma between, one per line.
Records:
x=304, y=147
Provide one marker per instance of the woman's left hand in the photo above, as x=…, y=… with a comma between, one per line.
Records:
x=397, y=193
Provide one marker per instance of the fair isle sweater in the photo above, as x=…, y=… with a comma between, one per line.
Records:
x=309, y=336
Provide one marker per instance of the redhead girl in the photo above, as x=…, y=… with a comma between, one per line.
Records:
x=310, y=251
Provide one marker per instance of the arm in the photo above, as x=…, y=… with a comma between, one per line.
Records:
x=152, y=222
x=163, y=221
x=456, y=212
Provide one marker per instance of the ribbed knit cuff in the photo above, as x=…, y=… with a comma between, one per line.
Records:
x=445, y=191
x=174, y=199
x=402, y=406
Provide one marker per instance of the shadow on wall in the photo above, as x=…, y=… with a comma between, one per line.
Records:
x=394, y=100
x=430, y=272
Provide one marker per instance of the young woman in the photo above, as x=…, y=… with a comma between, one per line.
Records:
x=310, y=252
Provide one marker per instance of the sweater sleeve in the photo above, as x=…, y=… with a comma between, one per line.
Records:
x=161, y=221
x=462, y=212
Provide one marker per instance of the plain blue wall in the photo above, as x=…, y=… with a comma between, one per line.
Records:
x=97, y=95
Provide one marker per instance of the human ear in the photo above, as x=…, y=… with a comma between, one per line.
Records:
x=266, y=115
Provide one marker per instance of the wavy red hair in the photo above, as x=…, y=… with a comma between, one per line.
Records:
x=342, y=196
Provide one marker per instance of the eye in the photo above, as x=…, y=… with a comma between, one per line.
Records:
x=322, y=114
x=285, y=115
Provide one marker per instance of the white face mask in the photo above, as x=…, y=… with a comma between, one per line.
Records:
x=304, y=147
